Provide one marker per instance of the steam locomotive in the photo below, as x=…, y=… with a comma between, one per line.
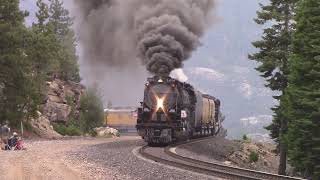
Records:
x=172, y=110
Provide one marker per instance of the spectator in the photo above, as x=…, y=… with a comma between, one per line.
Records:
x=12, y=141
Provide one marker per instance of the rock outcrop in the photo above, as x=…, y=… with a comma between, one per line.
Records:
x=106, y=132
x=267, y=159
x=41, y=127
x=62, y=97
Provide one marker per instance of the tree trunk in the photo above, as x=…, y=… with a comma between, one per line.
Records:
x=283, y=122
x=282, y=146
x=283, y=158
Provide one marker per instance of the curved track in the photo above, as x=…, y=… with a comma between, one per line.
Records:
x=213, y=169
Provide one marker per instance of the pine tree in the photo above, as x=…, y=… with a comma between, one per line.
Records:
x=27, y=57
x=45, y=45
x=60, y=24
x=10, y=13
x=18, y=100
x=60, y=20
x=303, y=95
x=42, y=16
x=273, y=54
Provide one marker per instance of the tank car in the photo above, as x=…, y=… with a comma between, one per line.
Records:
x=172, y=110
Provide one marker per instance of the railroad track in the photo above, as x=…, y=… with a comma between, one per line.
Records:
x=211, y=169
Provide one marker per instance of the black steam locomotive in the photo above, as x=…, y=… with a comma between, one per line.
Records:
x=172, y=110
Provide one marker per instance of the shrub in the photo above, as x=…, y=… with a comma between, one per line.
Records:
x=67, y=130
x=73, y=131
x=245, y=137
x=91, y=111
x=61, y=129
x=253, y=157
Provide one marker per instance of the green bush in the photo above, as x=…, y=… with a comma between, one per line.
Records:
x=73, y=131
x=91, y=111
x=253, y=157
x=91, y=116
x=245, y=137
x=67, y=130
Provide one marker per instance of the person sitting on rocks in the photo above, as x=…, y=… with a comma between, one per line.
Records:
x=19, y=145
x=12, y=141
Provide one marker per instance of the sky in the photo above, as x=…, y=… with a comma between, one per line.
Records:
x=221, y=67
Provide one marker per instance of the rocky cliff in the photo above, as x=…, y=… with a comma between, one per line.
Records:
x=62, y=99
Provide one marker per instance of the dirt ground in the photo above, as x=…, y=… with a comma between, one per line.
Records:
x=47, y=159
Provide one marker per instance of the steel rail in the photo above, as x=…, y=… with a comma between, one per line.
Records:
x=193, y=168
x=212, y=169
x=236, y=170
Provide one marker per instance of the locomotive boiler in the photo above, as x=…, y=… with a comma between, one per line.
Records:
x=173, y=110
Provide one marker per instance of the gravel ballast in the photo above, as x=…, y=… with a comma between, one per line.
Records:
x=86, y=158
x=118, y=161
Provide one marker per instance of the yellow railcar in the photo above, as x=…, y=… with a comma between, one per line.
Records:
x=123, y=119
x=208, y=110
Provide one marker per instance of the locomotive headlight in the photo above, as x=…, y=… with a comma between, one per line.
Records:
x=160, y=103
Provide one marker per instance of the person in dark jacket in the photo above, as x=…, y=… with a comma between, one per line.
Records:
x=12, y=141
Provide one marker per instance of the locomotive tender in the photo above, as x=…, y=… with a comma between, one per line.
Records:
x=172, y=110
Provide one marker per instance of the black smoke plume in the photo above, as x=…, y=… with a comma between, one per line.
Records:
x=168, y=31
x=122, y=37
